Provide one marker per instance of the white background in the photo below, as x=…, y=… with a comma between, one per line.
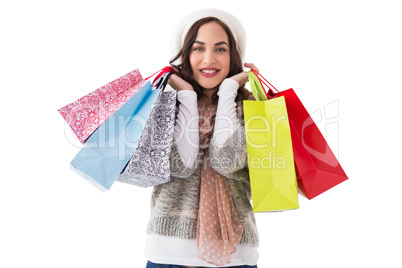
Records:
x=53, y=52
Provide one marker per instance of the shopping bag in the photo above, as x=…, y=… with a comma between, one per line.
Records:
x=86, y=114
x=150, y=166
x=317, y=168
x=269, y=150
x=108, y=150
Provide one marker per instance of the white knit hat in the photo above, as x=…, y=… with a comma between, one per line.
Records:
x=232, y=22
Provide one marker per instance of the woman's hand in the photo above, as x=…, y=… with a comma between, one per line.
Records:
x=242, y=77
x=179, y=83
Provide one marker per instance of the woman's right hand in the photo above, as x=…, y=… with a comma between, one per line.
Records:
x=242, y=78
x=179, y=83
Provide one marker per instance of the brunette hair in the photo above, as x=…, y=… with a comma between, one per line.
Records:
x=184, y=66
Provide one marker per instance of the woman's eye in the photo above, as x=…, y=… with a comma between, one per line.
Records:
x=221, y=49
x=198, y=49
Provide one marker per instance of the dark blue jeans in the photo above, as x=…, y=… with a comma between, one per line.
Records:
x=157, y=265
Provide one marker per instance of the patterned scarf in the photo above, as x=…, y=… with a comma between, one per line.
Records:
x=218, y=227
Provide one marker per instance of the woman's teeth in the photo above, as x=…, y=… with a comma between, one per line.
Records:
x=209, y=71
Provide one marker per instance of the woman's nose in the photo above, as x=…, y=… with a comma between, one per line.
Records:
x=209, y=57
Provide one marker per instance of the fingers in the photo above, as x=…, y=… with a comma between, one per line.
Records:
x=175, y=69
x=251, y=66
x=178, y=83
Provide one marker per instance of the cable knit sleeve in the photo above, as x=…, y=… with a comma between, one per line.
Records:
x=186, y=136
x=228, y=150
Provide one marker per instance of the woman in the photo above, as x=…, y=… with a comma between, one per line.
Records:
x=203, y=217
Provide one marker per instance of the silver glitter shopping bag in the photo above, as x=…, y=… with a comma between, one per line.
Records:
x=150, y=166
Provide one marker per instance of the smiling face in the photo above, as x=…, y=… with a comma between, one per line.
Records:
x=210, y=56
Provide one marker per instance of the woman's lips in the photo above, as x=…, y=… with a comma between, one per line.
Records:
x=209, y=72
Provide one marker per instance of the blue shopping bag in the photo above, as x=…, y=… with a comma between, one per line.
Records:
x=108, y=150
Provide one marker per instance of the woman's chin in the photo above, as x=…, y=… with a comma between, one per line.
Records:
x=210, y=84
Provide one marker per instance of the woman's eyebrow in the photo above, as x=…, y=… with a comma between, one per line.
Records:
x=217, y=44
x=221, y=43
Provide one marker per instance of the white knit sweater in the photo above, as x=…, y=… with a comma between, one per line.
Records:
x=174, y=206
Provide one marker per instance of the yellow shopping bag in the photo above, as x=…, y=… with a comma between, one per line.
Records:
x=270, y=154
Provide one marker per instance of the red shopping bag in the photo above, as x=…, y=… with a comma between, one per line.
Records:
x=86, y=114
x=317, y=168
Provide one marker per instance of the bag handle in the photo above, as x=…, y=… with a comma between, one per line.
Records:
x=167, y=69
x=256, y=87
x=162, y=80
x=264, y=81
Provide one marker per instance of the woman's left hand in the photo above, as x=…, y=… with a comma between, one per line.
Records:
x=242, y=77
